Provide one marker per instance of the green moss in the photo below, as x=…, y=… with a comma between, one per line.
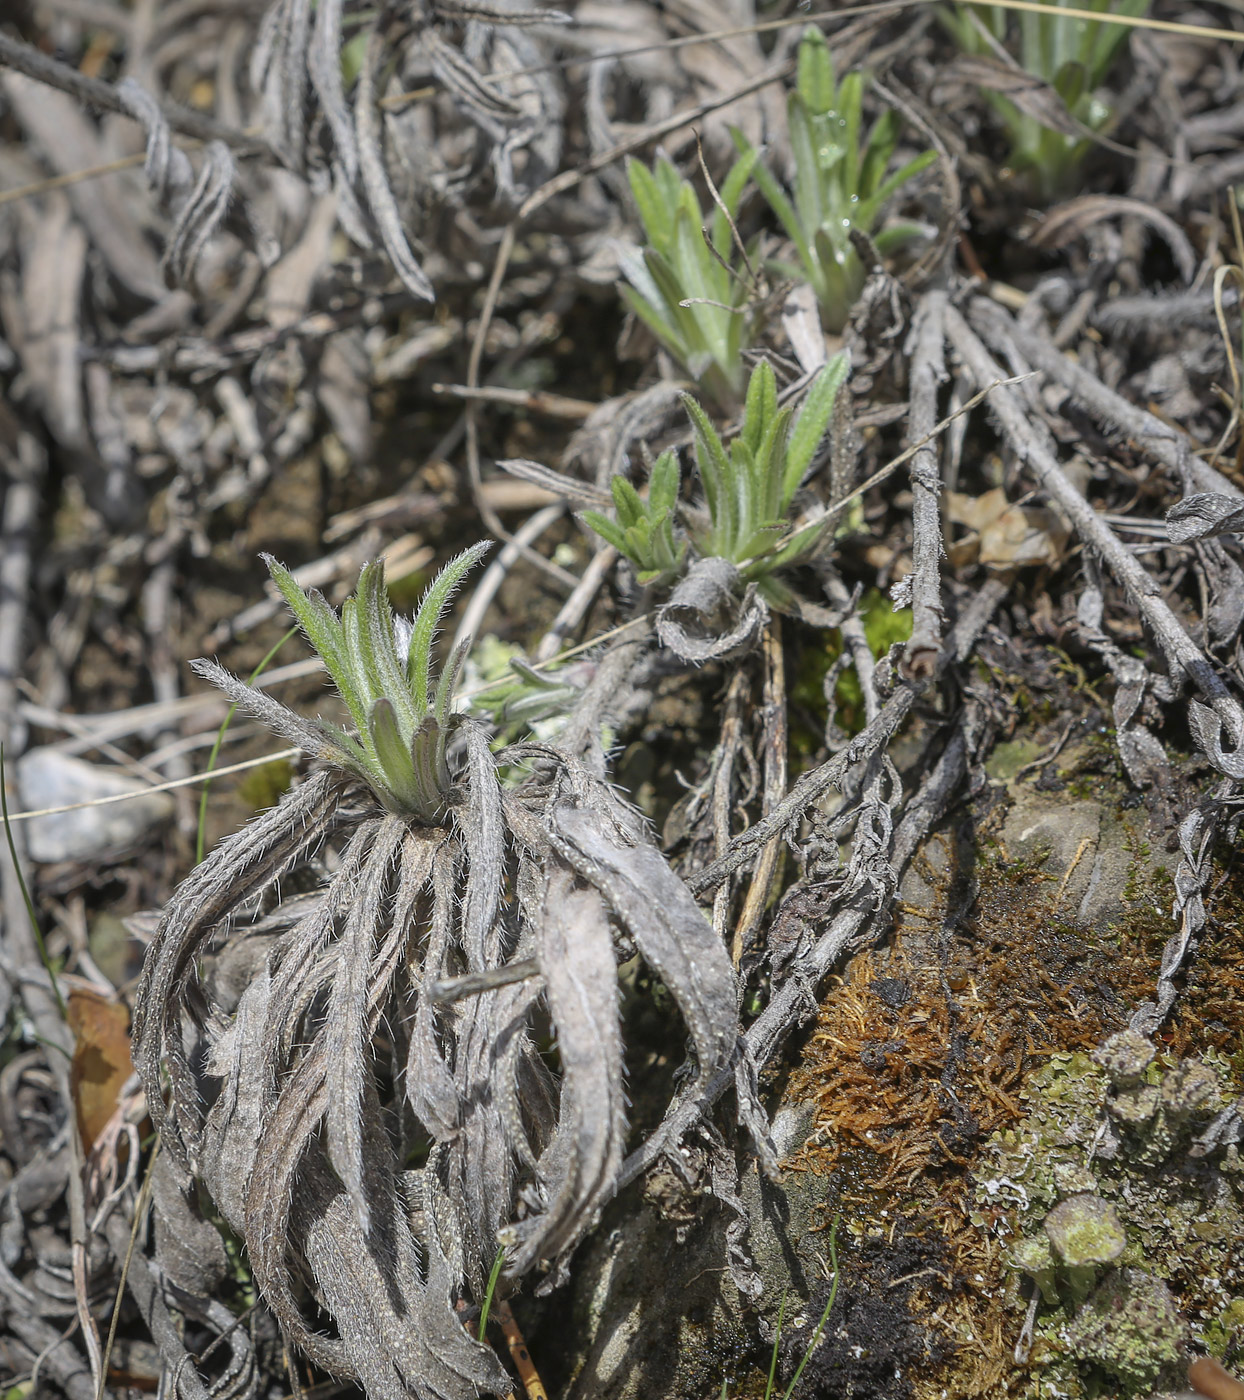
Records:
x=883, y=627
x=1227, y=1327
x=263, y=787
x=1010, y=756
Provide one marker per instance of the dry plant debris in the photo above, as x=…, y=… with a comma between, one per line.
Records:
x=342, y=285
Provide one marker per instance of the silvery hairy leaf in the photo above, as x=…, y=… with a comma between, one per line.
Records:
x=167, y=166
x=200, y=217
x=1203, y=515
x=661, y=916
x=580, y=1166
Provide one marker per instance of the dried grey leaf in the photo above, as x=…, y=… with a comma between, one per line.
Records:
x=202, y=214
x=278, y=72
x=670, y=931
x=346, y=1030
x=1207, y=726
x=381, y=201
x=262, y=707
x=188, y=1248
x=240, y=868
x=324, y=65
x=581, y=1163
x=429, y=1082
x=167, y=167
x=485, y=844
x=1204, y=515
x=705, y=619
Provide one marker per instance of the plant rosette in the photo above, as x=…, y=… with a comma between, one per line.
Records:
x=338, y=1063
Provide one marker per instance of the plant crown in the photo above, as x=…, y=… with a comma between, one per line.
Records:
x=840, y=180
x=381, y=665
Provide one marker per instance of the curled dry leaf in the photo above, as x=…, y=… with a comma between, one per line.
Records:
x=1006, y=536
x=705, y=619
x=1204, y=515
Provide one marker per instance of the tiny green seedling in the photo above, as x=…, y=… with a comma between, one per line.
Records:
x=1073, y=56
x=644, y=529
x=840, y=180
x=517, y=698
x=748, y=489
x=683, y=285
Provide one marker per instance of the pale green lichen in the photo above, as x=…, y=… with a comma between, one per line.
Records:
x=1085, y=1230
x=1182, y=1216
x=1131, y=1328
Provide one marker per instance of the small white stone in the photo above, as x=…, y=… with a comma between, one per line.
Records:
x=48, y=778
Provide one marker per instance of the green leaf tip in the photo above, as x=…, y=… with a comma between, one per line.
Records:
x=381, y=666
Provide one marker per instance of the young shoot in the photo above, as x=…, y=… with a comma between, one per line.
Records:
x=644, y=529
x=684, y=287
x=840, y=180
x=381, y=666
x=1073, y=56
x=748, y=488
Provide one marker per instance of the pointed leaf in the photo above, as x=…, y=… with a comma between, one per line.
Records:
x=609, y=530
x=656, y=215
x=776, y=197
x=770, y=469
x=814, y=79
x=760, y=405
x=809, y=199
x=663, y=483
x=393, y=755
x=714, y=468
x=375, y=617
x=731, y=194
x=809, y=428
x=850, y=108
x=881, y=142
x=427, y=619
x=702, y=278
x=323, y=629
x=626, y=501
x=442, y=706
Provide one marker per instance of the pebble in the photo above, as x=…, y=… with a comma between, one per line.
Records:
x=48, y=778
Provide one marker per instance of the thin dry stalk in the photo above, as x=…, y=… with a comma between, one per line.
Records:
x=773, y=748
x=928, y=373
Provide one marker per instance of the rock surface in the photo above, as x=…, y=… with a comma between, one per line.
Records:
x=48, y=778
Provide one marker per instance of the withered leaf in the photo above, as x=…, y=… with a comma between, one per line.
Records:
x=581, y=1163
x=101, y=1058
x=660, y=914
x=1204, y=515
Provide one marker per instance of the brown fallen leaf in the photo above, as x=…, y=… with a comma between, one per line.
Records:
x=1007, y=536
x=101, y=1058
